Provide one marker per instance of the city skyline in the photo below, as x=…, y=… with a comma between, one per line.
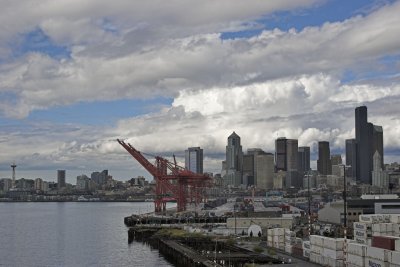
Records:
x=75, y=77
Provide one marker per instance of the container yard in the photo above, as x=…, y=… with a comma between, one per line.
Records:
x=376, y=243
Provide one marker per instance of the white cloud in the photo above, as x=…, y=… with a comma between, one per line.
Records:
x=280, y=83
x=108, y=65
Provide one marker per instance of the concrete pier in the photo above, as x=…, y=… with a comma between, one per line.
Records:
x=195, y=250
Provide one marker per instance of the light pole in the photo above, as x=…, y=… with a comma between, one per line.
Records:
x=309, y=203
x=345, y=200
x=345, y=212
x=234, y=213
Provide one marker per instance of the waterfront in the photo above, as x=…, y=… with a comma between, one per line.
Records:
x=72, y=234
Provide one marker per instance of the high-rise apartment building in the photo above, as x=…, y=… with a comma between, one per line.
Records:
x=324, y=164
x=194, y=159
x=60, y=179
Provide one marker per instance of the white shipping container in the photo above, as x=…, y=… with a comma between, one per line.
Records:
x=270, y=232
x=379, y=227
x=377, y=253
x=386, y=218
x=278, y=238
x=390, y=227
x=370, y=218
x=357, y=249
x=394, y=257
x=397, y=245
x=334, y=262
x=360, y=226
x=355, y=260
x=375, y=263
x=306, y=245
x=378, y=234
x=316, y=240
x=395, y=218
x=306, y=253
x=393, y=265
x=333, y=254
x=279, y=231
x=360, y=234
x=360, y=240
x=334, y=243
x=317, y=249
x=314, y=257
x=396, y=228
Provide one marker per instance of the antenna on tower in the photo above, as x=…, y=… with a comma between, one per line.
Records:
x=13, y=166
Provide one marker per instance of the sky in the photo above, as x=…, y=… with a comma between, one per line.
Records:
x=168, y=75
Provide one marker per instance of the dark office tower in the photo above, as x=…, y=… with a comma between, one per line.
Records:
x=249, y=166
x=292, y=177
x=303, y=159
x=324, y=164
x=351, y=157
x=248, y=169
x=363, y=135
x=194, y=159
x=377, y=142
x=280, y=154
x=234, y=153
x=60, y=179
x=234, y=160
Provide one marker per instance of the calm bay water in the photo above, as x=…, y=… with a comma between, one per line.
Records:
x=72, y=234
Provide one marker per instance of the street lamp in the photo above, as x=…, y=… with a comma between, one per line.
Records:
x=345, y=200
x=309, y=203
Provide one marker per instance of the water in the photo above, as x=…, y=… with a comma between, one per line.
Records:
x=72, y=234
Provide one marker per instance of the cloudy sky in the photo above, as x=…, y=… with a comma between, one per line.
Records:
x=165, y=75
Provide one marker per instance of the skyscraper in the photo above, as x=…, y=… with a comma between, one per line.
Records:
x=60, y=179
x=351, y=156
x=363, y=164
x=286, y=159
x=194, y=159
x=234, y=161
x=248, y=169
x=280, y=154
x=324, y=164
x=264, y=169
x=377, y=142
x=369, y=139
x=303, y=159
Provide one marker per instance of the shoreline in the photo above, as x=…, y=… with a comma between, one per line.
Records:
x=90, y=201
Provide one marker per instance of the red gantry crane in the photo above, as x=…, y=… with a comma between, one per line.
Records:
x=172, y=181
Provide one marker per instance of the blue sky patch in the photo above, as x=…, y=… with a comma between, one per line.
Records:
x=329, y=11
x=100, y=112
x=37, y=41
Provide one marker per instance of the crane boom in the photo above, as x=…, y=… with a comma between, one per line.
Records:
x=178, y=184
